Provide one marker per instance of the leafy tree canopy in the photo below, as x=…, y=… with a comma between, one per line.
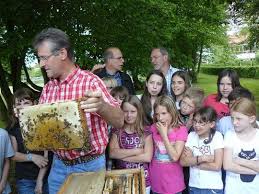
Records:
x=184, y=27
x=249, y=11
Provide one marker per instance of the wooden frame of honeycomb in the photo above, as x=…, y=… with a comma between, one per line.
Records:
x=127, y=181
x=60, y=125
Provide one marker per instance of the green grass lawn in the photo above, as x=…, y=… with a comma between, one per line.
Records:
x=208, y=83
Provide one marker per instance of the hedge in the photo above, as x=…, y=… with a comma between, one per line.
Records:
x=245, y=72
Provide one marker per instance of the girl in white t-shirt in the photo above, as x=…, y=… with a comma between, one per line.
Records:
x=204, y=154
x=241, y=153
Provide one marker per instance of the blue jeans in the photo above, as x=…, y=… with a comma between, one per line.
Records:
x=7, y=189
x=194, y=190
x=27, y=186
x=59, y=171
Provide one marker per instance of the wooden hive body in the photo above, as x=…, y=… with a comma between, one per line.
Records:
x=128, y=181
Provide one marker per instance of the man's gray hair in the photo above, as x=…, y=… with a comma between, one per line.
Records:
x=58, y=39
x=163, y=51
x=108, y=54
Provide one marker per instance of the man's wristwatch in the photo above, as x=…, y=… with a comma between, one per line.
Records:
x=29, y=157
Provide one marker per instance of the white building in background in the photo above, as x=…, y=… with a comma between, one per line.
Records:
x=241, y=49
x=246, y=56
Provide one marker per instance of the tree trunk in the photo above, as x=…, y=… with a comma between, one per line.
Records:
x=200, y=58
x=44, y=74
x=34, y=86
x=193, y=72
x=3, y=111
x=16, y=68
x=5, y=89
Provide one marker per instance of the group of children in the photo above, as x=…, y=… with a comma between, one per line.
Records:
x=187, y=143
x=163, y=132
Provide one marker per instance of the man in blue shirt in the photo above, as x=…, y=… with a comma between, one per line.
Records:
x=114, y=61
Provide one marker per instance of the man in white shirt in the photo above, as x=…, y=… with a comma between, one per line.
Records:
x=160, y=60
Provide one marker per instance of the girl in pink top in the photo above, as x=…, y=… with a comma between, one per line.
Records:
x=132, y=146
x=169, y=137
x=228, y=79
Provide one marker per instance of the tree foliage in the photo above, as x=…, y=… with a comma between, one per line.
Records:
x=249, y=11
x=184, y=27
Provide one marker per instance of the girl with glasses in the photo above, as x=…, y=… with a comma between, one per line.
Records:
x=191, y=102
x=203, y=153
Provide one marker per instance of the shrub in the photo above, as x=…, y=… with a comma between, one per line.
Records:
x=245, y=71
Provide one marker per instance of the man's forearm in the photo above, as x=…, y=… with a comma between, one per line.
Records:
x=112, y=115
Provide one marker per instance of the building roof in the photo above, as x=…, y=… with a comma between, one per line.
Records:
x=237, y=39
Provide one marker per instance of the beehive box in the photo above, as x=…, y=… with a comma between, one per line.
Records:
x=60, y=125
x=128, y=181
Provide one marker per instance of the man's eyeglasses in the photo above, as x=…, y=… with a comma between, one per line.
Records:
x=155, y=57
x=45, y=58
x=118, y=58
